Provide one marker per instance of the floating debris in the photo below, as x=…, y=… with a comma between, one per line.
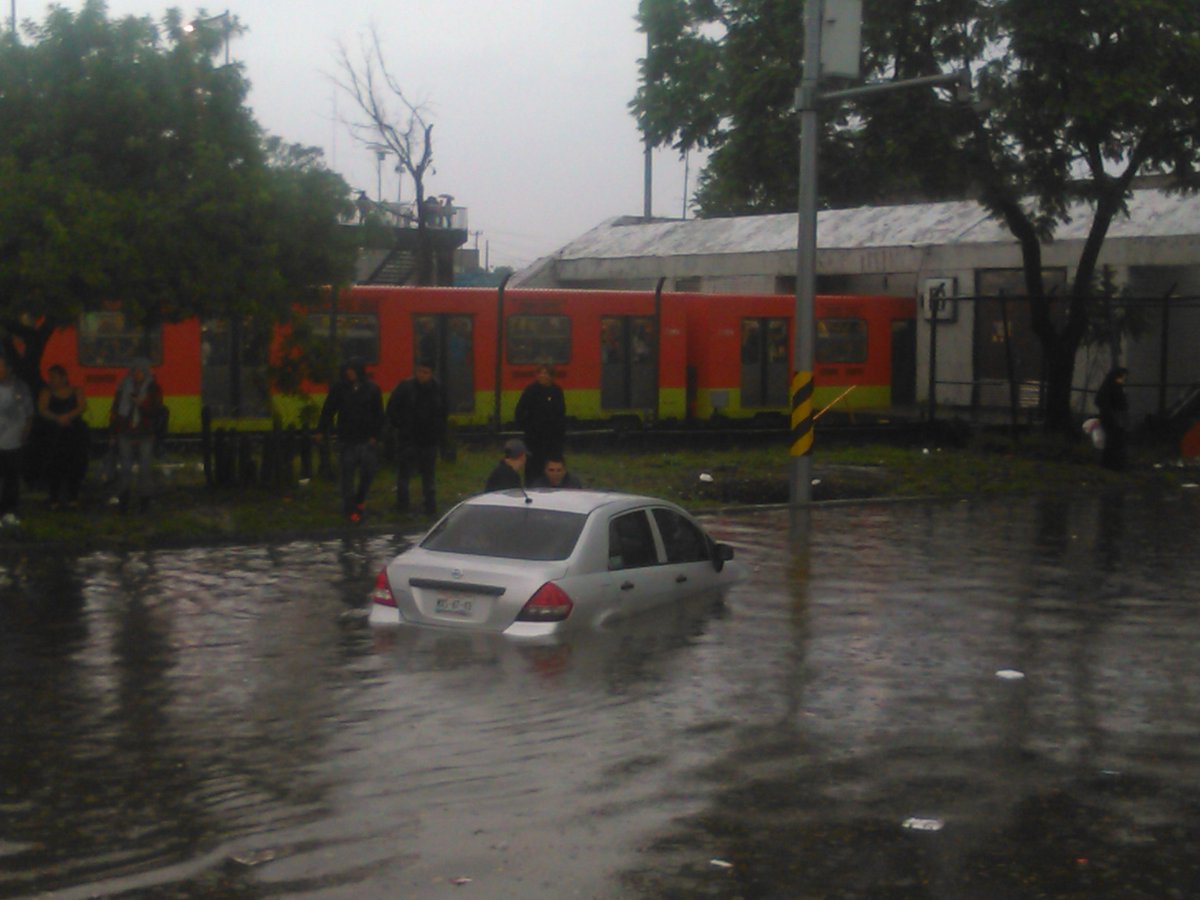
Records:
x=706, y=478
x=721, y=863
x=914, y=823
x=254, y=858
x=461, y=880
x=1010, y=675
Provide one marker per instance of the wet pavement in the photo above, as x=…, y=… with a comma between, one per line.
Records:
x=992, y=699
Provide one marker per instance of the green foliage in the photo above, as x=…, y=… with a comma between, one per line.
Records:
x=131, y=169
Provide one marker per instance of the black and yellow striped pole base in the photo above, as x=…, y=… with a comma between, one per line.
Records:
x=802, y=437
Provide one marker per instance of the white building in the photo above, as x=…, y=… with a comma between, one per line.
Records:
x=912, y=250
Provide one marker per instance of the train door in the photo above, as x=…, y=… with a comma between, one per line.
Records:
x=234, y=384
x=447, y=342
x=904, y=362
x=764, y=362
x=628, y=362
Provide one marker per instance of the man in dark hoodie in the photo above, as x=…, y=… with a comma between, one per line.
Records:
x=417, y=410
x=542, y=414
x=357, y=404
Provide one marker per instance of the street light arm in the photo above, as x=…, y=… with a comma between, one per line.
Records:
x=961, y=79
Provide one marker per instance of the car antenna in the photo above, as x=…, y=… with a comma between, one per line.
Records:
x=528, y=499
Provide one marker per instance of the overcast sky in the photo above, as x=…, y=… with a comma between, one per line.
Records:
x=532, y=133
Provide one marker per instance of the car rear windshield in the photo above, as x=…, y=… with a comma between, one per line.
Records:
x=508, y=532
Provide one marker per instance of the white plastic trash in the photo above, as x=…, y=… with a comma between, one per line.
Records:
x=1093, y=429
x=917, y=823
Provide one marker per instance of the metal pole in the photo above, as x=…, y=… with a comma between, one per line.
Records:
x=648, y=182
x=648, y=164
x=935, y=304
x=800, y=491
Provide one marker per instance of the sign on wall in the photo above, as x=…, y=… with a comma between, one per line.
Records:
x=937, y=299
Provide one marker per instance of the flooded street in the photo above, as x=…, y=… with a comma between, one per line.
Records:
x=992, y=699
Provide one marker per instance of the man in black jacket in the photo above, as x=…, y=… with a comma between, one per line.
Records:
x=417, y=410
x=507, y=474
x=357, y=404
x=542, y=414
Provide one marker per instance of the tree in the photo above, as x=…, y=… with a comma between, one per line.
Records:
x=131, y=170
x=389, y=122
x=722, y=75
x=1075, y=103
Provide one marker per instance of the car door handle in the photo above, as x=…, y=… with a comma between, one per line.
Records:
x=627, y=586
x=680, y=579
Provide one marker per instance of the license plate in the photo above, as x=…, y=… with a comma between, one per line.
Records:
x=454, y=606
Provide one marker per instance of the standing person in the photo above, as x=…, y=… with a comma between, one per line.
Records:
x=25, y=338
x=555, y=475
x=507, y=473
x=357, y=404
x=1114, y=418
x=61, y=406
x=417, y=410
x=16, y=418
x=542, y=415
x=133, y=423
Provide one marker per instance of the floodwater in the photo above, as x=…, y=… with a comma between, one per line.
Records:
x=992, y=699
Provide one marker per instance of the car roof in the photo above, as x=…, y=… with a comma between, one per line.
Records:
x=571, y=500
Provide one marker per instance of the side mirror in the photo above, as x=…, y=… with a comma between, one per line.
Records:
x=722, y=553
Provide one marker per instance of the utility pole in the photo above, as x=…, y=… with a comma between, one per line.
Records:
x=835, y=53
x=800, y=488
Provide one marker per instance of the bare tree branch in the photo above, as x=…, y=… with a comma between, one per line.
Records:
x=388, y=121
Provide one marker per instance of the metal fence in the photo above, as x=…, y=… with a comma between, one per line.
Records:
x=1001, y=375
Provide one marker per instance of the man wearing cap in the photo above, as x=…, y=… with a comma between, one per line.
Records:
x=507, y=473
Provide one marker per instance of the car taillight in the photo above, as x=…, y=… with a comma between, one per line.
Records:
x=549, y=604
x=383, y=590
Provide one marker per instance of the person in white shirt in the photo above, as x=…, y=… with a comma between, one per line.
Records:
x=16, y=418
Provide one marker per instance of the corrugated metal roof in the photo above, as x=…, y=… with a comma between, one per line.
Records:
x=1152, y=213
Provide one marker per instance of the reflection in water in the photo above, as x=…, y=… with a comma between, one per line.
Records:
x=225, y=723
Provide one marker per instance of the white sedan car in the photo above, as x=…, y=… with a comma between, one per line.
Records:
x=540, y=562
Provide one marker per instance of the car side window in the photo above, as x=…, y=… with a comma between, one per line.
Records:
x=630, y=542
x=684, y=542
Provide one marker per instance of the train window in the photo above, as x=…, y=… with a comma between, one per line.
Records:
x=533, y=340
x=446, y=342
x=765, y=373
x=109, y=340
x=841, y=340
x=357, y=334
